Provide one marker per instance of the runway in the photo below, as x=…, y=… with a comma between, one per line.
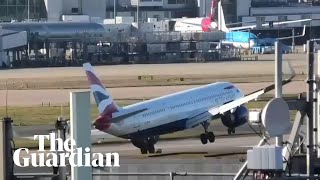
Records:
x=61, y=96
x=240, y=68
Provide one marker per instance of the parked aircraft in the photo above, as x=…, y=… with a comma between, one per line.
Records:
x=144, y=122
x=234, y=36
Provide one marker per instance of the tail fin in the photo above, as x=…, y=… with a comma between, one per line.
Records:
x=222, y=19
x=105, y=103
x=213, y=9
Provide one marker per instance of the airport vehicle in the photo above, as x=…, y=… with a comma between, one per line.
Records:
x=144, y=122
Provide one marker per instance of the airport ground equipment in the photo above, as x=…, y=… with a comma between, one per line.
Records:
x=278, y=94
x=80, y=127
x=6, y=155
x=62, y=126
x=267, y=159
x=306, y=109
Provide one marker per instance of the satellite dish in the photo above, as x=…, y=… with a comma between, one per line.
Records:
x=275, y=117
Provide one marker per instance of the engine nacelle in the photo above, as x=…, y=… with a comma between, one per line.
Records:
x=237, y=118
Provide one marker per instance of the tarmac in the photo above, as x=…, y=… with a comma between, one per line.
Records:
x=226, y=155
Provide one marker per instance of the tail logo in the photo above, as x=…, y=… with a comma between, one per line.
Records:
x=103, y=100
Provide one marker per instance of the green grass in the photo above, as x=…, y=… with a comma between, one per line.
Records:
x=26, y=143
x=37, y=115
x=47, y=115
x=24, y=116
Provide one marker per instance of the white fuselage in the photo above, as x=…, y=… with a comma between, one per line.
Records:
x=191, y=25
x=240, y=45
x=174, y=112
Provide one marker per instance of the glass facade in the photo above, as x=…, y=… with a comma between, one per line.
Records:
x=18, y=10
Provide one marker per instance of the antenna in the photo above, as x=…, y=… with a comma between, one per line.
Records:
x=276, y=118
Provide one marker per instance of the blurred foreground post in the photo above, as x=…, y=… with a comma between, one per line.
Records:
x=80, y=126
x=6, y=159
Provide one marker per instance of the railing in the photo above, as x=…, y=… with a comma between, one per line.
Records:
x=171, y=175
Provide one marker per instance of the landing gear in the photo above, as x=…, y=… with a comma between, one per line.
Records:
x=231, y=131
x=151, y=149
x=146, y=145
x=204, y=137
x=143, y=150
x=211, y=137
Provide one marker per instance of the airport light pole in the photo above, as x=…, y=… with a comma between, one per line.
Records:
x=28, y=10
x=114, y=11
x=310, y=111
x=278, y=80
x=138, y=4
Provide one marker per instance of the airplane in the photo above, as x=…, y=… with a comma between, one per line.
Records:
x=234, y=36
x=142, y=123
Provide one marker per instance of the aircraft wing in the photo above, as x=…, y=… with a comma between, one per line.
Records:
x=267, y=24
x=252, y=96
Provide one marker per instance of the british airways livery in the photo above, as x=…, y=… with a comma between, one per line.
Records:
x=144, y=122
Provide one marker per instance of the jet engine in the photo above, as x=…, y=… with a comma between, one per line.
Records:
x=236, y=118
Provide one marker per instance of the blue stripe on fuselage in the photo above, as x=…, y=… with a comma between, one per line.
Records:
x=159, y=130
x=168, y=128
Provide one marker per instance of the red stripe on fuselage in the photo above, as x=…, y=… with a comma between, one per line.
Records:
x=103, y=121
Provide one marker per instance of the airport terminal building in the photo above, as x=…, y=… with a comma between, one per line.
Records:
x=246, y=11
x=94, y=34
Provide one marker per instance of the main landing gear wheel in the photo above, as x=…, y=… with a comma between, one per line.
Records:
x=151, y=149
x=144, y=150
x=231, y=131
x=204, y=137
x=211, y=137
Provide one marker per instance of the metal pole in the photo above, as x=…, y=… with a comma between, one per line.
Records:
x=171, y=176
x=278, y=80
x=293, y=41
x=138, y=4
x=28, y=10
x=6, y=165
x=317, y=87
x=310, y=100
x=219, y=16
x=62, y=125
x=3, y=167
x=114, y=11
x=249, y=39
